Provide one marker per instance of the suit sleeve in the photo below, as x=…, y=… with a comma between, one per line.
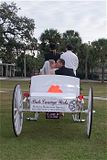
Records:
x=57, y=72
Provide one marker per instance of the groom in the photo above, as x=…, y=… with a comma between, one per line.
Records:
x=62, y=70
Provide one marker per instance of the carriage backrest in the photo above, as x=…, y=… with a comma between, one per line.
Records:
x=65, y=84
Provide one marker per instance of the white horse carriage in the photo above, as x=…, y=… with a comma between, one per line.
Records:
x=52, y=94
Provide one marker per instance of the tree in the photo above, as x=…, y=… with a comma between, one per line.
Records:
x=100, y=49
x=33, y=45
x=39, y=62
x=88, y=60
x=73, y=38
x=49, y=36
x=83, y=62
x=15, y=32
x=30, y=64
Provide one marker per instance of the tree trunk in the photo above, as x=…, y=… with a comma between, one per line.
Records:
x=103, y=73
x=25, y=66
x=86, y=67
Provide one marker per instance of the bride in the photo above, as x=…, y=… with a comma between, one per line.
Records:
x=48, y=67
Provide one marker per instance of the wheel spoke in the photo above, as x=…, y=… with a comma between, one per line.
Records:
x=15, y=115
x=17, y=123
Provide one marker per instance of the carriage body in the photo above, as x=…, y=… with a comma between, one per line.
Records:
x=54, y=93
x=50, y=94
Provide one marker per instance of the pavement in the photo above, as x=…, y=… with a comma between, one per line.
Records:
x=86, y=97
x=97, y=98
x=28, y=78
x=15, y=78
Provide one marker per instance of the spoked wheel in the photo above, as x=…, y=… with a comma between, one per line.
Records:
x=17, y=110
x=90, y=112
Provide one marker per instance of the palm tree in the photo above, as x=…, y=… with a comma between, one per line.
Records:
x=100, y=49
x=72, y=37
x=49, y=36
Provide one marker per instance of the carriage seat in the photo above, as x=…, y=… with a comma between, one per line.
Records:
x=55, y=84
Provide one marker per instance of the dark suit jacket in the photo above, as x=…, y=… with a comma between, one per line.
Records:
x=51, y=55
x=65, y=71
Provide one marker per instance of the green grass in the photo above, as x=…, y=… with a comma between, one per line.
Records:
x=53, y=139
x=4, y=85
x=99, y=89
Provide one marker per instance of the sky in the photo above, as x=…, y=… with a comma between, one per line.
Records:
x=87, y=17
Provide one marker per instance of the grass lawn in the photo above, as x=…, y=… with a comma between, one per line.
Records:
x=53, y=139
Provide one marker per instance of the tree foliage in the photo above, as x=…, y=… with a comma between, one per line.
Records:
x=30, y=64
x=71, y=37
x=15, y=32
x=16, y=38
x=49, y=36
x=100, y=50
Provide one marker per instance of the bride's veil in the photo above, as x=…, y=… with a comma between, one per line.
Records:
x=46, y=68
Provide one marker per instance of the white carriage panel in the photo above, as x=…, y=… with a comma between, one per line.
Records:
x=67, y=84
x=52, y=103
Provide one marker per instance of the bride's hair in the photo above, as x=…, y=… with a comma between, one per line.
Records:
x=51, y=61
x=47, y=67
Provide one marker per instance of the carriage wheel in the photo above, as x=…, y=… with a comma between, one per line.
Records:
x=90, y=112
x=17, y=110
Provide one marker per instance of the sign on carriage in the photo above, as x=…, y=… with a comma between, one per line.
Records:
x=50, y=104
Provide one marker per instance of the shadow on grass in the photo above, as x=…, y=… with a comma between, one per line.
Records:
x=63, y=129
x=45, y=129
